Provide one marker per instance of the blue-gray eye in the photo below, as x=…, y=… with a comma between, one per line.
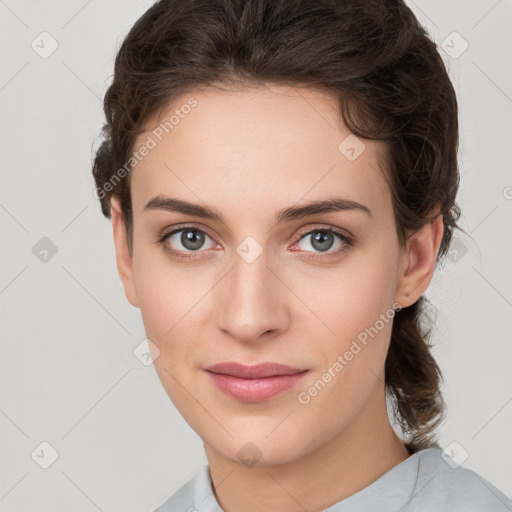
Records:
x=322, y=240
x=191, y=239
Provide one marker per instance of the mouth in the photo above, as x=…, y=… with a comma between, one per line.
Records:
x=254, y=383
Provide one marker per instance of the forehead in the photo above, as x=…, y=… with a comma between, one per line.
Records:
x=270, y=145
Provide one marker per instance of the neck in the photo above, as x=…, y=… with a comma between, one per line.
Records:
x=350, y=461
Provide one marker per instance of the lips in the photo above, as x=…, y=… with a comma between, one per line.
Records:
x=256, y=371
x=254, y=383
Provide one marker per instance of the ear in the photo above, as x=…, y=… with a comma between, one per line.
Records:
x=419, y=261
x=123, y=257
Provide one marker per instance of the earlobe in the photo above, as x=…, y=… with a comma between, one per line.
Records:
x=420, y=261
x=123, y=257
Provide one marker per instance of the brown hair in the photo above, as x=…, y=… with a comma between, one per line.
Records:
x=389, y=83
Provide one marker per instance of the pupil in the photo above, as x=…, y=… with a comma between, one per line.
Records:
x=192, y=239
x=322, y=241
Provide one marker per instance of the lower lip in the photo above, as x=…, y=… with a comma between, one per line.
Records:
x=254, y=390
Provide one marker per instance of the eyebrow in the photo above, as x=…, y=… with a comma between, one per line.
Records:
x=332, y=204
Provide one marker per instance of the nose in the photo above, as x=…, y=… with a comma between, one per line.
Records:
x=251, y=301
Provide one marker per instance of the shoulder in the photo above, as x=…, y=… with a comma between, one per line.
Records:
x=182, y=499
x=442, y=484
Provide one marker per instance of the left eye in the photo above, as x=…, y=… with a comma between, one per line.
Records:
x=190, y=239
x=322, y=240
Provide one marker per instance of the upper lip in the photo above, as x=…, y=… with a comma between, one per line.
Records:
x=253, y=371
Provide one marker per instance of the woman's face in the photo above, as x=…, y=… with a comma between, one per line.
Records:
x=245, y=287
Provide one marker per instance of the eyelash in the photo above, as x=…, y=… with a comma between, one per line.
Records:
x=347, y=241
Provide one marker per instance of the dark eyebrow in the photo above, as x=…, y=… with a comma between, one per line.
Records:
x=333, y=204
x=285, y=215
x=171, y=204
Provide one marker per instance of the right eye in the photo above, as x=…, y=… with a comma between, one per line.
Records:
x=187, y=239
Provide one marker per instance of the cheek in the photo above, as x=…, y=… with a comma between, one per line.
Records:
x=166, y=302
x=355, y=302
x=353, y=296
x=157, y=306
x=357, y=307
x=172, y=301
x=165, y=292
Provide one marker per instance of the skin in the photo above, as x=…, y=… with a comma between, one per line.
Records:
x=250, y=153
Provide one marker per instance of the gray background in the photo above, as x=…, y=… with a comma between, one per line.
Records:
x=68, y=373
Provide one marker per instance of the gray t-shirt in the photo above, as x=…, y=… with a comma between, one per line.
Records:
x=422, y=482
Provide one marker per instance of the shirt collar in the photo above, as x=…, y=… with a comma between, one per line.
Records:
x=390, y=492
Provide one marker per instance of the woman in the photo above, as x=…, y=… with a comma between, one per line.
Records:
x=281, y=178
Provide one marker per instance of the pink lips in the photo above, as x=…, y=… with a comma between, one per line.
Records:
x=254, y=383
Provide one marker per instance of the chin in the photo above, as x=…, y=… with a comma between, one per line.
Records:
x=253, y=448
